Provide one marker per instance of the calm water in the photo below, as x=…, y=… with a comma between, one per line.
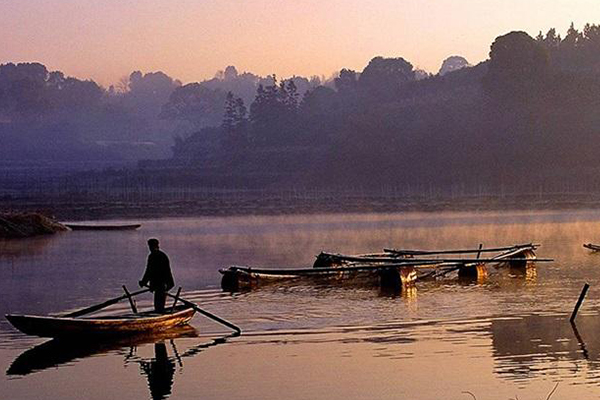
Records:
x=502, y=338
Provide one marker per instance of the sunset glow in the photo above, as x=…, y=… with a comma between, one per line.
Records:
x=192, y=39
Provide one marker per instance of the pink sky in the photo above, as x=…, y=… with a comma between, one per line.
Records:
x=192, y=39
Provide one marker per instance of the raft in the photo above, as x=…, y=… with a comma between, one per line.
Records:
x=242, y=277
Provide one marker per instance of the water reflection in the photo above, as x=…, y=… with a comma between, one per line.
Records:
x=159, y=372
x=15, y=248
x=532, y=346
x=59, y=352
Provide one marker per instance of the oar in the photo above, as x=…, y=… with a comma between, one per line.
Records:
x=206, y=313
x=103, y=305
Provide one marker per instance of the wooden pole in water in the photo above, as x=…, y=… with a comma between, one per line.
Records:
x=579, y=302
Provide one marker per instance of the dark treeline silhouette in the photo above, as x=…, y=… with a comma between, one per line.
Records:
x=47, y=116
x=528, y=118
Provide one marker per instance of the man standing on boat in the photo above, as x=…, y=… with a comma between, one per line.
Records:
x=158, y=276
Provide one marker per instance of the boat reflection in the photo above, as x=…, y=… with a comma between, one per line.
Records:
x=158, y=370
x=536, y=345
x=57, y=352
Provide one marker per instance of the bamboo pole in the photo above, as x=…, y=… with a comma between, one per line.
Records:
x=461, y=251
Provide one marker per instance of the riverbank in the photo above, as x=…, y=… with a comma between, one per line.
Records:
x=76, y=208
x=27, y=224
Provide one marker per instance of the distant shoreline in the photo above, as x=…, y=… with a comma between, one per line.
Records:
x=70, y=209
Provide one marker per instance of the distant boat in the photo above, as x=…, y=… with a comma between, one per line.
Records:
x=121, y=227
x=593, y=247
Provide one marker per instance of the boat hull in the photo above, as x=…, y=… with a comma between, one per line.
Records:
x=77, y=227
x=48, y=326
x=244, y=278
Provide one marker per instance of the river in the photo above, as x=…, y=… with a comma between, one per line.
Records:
x=503, y=337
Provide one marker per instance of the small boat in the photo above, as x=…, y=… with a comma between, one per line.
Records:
x=126, y=324
x=120, y=227
x=593, y=247
x=242, y=277
x=73, y=325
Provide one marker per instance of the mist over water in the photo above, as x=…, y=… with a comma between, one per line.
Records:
x=503, y=336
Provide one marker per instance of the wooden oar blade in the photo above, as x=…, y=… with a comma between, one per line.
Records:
x=206, y=313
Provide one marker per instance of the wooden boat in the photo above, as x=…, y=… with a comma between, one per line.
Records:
x=119, y=227
x=328, y=260
x=385, y=270
x=73, y=325
x=593, y=247
x=131, y=323
x=390, y=275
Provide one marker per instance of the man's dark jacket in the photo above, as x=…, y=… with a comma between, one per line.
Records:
x=158, y=272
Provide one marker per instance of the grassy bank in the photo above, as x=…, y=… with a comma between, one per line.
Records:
x=22, y=225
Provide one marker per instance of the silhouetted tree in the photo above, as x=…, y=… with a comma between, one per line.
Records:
x=234, y=122
x=382, y=78
x=518, y=67
x=347, y=83
x=195, y=104
x=453, y=63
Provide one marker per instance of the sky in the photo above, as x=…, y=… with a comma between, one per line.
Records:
x=190, y=40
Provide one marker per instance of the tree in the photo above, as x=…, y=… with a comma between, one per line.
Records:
x=382, y=77
x=274, y=113
x=347, y=82
x=453, y=63
x=234, y=122
x=518, y=67
x=23, y=90
x=195, y=104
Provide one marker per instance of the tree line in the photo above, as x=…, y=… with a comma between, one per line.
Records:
x=526, y=118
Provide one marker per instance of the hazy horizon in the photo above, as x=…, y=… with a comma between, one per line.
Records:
x=191, y=40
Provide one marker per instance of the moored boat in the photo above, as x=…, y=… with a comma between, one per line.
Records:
x=392, y=269
x=242, y=277
x=131, y=323
x=104, y=227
